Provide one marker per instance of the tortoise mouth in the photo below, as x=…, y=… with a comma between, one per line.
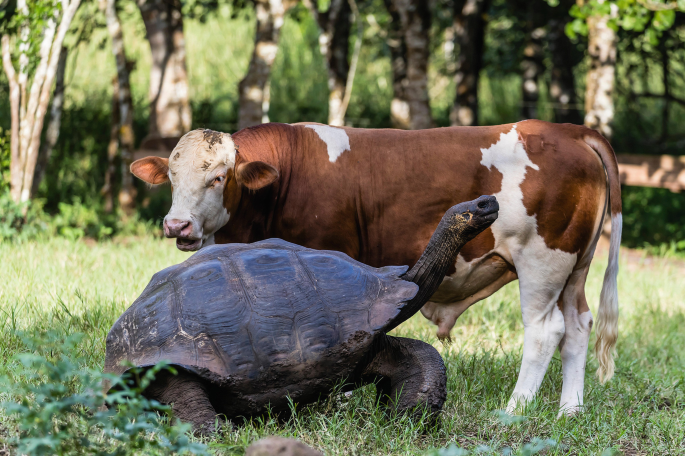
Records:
x=188, y=244
x=490, y=216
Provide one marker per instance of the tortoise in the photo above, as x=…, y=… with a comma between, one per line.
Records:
x=250, y=327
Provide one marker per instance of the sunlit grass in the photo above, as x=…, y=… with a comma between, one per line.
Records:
x=82, y=286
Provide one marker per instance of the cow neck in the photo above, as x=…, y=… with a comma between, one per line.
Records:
x=428, y=273
x=253, y=221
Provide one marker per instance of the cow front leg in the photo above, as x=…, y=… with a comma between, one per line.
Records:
x=540, y=287
x=574, y=344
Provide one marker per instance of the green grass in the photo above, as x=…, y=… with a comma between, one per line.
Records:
x=78, y=286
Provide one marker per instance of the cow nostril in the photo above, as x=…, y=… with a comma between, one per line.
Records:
x=483, y=204
x=175, y=227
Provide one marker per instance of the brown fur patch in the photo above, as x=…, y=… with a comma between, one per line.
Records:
x=477, y=247
x=564, y=194
x=212, y=137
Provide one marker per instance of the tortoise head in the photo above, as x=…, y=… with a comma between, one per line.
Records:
x=460, y=224
x=466, y=220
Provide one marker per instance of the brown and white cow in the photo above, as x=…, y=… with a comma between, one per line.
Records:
x=377, y=195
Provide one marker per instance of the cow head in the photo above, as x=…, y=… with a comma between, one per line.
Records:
x=207, y=176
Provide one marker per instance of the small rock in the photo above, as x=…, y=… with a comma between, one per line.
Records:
x=279, y=446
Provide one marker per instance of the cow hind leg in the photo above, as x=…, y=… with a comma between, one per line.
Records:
x=574, y=344
x=542, y=278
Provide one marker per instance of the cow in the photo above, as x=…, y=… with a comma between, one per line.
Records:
x=378, y=194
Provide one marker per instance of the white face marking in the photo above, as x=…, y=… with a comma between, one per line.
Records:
x=194, y=164
x=336, y=140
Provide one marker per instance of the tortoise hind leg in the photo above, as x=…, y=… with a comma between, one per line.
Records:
x=409, y=373
x=188, y=397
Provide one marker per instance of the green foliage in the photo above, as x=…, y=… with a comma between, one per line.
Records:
x=631, y=15
x=57, y=405
x=20, y=222
x=653, y=218
x=73, y=221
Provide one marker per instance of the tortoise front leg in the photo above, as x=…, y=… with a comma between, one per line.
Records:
x=408, y=374
x=188, y=397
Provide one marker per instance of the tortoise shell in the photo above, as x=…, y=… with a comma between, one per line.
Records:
x=236, y=313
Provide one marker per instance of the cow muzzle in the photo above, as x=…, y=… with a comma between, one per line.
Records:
x=182, y=230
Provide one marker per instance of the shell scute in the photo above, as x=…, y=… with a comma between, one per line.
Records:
x=244, y=310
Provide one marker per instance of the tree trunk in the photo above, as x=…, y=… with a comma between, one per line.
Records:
x=599, y=106
x=334, y=38
x=28, y=110
x=124, y=113
x=253, y=90
x=107, y=191
x=562, y=87
x=170, y=113
x=399, y=107
x=532, y=66
x=414, y=20
x=469, y=37
x=665, y=110
x=52, y=133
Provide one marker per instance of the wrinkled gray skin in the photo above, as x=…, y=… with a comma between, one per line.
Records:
x=250, y=326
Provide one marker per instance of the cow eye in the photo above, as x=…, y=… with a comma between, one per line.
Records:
x=219, y=179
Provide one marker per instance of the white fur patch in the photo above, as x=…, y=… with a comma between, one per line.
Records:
x=542, y=271
x=336, y=140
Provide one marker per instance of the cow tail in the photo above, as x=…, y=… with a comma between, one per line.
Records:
x=607, y=315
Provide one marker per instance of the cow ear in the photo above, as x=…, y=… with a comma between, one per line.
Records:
x=255, y=175
x=153, y=170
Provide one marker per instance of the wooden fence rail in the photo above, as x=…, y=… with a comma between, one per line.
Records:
x=661, y=171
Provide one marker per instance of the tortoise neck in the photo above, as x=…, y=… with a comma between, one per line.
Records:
x=429, y=271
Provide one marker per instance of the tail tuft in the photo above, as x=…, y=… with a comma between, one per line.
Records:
x=607, y=315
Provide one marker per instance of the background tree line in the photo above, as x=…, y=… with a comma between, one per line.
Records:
x=86, y=83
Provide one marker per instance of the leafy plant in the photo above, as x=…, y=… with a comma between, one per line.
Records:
x=58, y=406
x=20, y=221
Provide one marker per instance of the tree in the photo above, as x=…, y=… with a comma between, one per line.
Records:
x=564, y=57
x=170, y=113
x=122, y=117
x=469, y=37
x=409, y=42
x=599, y=20
x=334, y=36
x=254, y=88
x=41, y=26
x=532, y=65
x=599, y=105
x=52, y=130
